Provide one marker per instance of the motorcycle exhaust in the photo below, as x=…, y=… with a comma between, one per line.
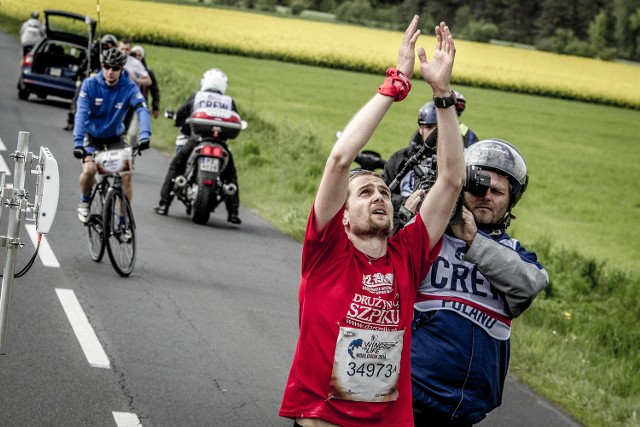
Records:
x=229, y=189
x=180, y=181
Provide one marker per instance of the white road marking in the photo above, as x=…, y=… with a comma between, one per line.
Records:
x=84, y=332
x=125, y=419
x=45, y=252
x=3, y=164
x=4, y=167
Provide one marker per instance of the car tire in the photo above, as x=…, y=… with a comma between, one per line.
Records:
x=23, y=94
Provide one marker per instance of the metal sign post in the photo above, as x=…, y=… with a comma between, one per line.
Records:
x=13, y=198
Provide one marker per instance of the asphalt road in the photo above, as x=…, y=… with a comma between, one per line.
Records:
x=201, y=334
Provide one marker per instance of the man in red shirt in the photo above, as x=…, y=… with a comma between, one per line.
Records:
x=351, y=366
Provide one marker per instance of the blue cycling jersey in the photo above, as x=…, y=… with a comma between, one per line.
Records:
x=101, y=109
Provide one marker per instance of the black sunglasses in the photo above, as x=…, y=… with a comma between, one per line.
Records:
x=112, y=67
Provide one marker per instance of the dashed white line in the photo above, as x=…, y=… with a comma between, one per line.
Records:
x=2, y=146
x=126, y=419
x=87, y=338
x=4, y=167
x=45, y=252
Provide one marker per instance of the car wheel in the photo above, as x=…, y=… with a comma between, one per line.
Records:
x=23, y=94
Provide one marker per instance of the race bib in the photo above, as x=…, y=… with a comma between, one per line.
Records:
x=366, y=365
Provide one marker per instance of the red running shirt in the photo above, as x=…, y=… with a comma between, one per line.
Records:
x=364, y=307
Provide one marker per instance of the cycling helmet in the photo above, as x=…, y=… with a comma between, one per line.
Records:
x=461, y=102
x=35, y=15
x=215, y=80
x=108, y=39
x=501, y=157
x=138, y=49
x=427, y=114
x=114, y=56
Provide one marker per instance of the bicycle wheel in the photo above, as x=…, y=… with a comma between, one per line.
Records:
x=95, y=236
x=120, y=232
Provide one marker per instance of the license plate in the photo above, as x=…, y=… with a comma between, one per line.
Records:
x=209, y=164
x=55, y=72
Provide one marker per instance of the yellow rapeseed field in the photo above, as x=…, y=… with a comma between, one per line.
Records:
x=343, y=46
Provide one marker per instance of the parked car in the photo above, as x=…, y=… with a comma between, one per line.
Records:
x=51, y=67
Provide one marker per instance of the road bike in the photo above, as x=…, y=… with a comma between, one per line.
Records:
x=111, y=224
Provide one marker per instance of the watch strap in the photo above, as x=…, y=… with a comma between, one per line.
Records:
x=445, y=101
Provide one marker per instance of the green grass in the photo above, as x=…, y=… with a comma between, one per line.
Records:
x=577, y=345
x=583, y=159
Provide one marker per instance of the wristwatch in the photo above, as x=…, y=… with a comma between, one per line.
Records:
x=445, y=102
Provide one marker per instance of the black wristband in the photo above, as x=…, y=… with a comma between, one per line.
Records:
x=445, y=102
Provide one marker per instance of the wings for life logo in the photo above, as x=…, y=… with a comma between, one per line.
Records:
x=378, y=283
x=372, y=349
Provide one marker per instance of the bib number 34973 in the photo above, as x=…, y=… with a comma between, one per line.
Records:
x=366, y=365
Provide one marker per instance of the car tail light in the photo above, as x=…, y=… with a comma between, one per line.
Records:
x=214, y=151
x=27, y=60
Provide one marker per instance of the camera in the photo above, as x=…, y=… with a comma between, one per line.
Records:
x=426, y=174
x=476, y=182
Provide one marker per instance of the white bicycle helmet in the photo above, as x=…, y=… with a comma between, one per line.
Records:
x=215, y=80
x=502, y=157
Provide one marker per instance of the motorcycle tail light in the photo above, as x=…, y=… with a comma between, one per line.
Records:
x=207, y=182
x=27, y=60
x=212, y=151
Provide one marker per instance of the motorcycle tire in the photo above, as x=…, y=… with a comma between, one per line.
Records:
x=201, y=208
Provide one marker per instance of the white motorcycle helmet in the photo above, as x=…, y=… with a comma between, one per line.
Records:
x=214, y=80
x=500, y=156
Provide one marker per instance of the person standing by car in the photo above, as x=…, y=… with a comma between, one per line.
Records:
x=479, y=283
x=99, y=121
x=212, y=93
x=351, y=366
x=31, y=33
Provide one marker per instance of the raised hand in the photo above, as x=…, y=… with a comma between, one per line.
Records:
x=437, y=72
x=407, y=53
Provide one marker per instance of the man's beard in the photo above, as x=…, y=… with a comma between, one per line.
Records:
x=374, y=229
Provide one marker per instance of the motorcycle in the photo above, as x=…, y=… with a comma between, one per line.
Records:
x=201, y=188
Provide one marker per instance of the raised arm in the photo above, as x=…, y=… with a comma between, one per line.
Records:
x=332, y=192
x=440, y=201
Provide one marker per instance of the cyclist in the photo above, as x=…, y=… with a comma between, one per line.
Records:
x=212, y=93
x=101, y=106
x=90, y=66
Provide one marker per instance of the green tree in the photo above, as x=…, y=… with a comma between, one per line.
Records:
x=598, y=32
x=518, y=21
x=462, y=19
x=553, y=15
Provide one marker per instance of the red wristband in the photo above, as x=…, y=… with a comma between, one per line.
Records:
x=397, y=85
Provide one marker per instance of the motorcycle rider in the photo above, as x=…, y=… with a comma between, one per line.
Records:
x=99, y=121
x=468, y=136
x=426, y=133
x=212, y=93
